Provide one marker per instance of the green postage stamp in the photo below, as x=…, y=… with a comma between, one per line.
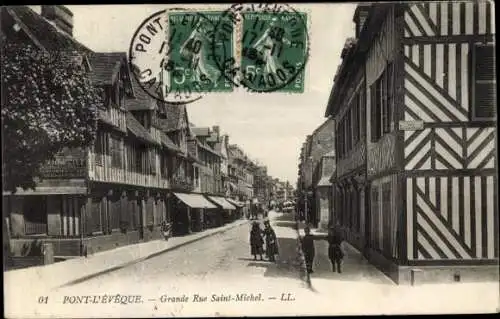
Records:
x=274, y=51
x=179, y=54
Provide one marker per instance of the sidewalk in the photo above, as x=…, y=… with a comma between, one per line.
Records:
x=355, y=268
x=82, y=268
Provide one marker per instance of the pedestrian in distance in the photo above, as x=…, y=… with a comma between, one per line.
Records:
x=256, y=241
x=335, y=252
x=308, y=249
x=271, y=241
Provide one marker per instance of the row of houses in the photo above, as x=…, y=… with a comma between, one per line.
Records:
x=406, y=161
x=148, y=166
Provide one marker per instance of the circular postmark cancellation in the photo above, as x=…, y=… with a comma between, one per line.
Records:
x=272, y=47
x=171, y=56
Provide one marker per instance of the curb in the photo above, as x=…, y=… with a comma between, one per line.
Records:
x=155, y=254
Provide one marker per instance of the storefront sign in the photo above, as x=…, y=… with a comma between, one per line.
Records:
x=411, y=125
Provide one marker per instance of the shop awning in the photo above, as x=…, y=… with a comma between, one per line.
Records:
x=221, y=201
x=235, y=203
x=194, y=200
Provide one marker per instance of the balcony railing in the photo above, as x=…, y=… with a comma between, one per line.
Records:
x=32, y=228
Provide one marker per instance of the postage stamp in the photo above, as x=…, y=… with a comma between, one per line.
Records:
x=272, y=47
x=171, y=55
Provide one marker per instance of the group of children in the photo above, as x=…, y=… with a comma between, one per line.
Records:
x=257, y=236
x=335, y=252
x=334, y=238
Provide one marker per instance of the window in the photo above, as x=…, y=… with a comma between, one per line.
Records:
x=355, y=119
x=389, y=82
x=139, y=159
x=99, y=149
x=163, y=165
x=382, y=103
x=484, y=82
x=152, y=161
x=362, y=111
x=116, y=150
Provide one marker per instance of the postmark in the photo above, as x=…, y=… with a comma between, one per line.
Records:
x=171, y=56
x=272, y=47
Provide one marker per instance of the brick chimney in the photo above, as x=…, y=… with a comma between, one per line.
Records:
x=60, y=16
x=216, y=129
x=360, y=16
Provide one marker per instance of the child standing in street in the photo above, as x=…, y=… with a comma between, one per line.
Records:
x=256, y=241
x=271, y=241
x=335, y=253
x=308, y=249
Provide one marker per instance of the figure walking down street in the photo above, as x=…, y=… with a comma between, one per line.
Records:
x=271, y=241
x=335, y=253
x=308, y=249
x=256, y=241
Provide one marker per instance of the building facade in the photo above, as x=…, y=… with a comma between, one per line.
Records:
x=95, y=198
x=430, y=96
x=319, y=143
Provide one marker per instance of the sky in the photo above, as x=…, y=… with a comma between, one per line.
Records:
x=269, y=127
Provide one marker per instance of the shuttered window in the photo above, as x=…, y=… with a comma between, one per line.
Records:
x=375, y=111
x=389, y=97
x=362, y=111
x=484, y=80
x=382, y=103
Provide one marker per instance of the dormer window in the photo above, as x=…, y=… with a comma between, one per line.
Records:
x=106, y=95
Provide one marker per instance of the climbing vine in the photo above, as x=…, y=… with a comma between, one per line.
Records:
x=48, y=103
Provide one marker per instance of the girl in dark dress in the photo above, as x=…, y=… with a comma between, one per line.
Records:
x=256, y=241
x=335, y=253
x=271, y=241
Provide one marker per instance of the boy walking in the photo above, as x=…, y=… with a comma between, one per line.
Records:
x=308, y=249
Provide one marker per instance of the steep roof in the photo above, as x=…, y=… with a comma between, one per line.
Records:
x=43, y=32
x=105, y=66
x=142, y=100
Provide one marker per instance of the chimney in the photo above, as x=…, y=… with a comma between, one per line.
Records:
x=60, y=16
x=360, y=16
x=216, y=129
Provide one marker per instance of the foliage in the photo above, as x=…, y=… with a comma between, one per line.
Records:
x=48, y=103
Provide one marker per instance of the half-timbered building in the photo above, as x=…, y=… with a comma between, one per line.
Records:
x=117, y=191
x=430, y=89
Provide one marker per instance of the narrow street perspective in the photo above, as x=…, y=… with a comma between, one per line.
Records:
x=249, y=160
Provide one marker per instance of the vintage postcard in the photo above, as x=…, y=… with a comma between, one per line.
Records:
x=246, y=159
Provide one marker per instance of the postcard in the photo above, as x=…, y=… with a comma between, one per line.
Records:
x=249, y=159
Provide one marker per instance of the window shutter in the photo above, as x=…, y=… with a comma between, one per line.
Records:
x=384, y=101
x=390, y=95
x=362, y=112
x=373, y=112
x=484, y=82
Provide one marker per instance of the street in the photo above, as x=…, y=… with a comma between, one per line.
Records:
x=212, y=268
x=217, y=276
